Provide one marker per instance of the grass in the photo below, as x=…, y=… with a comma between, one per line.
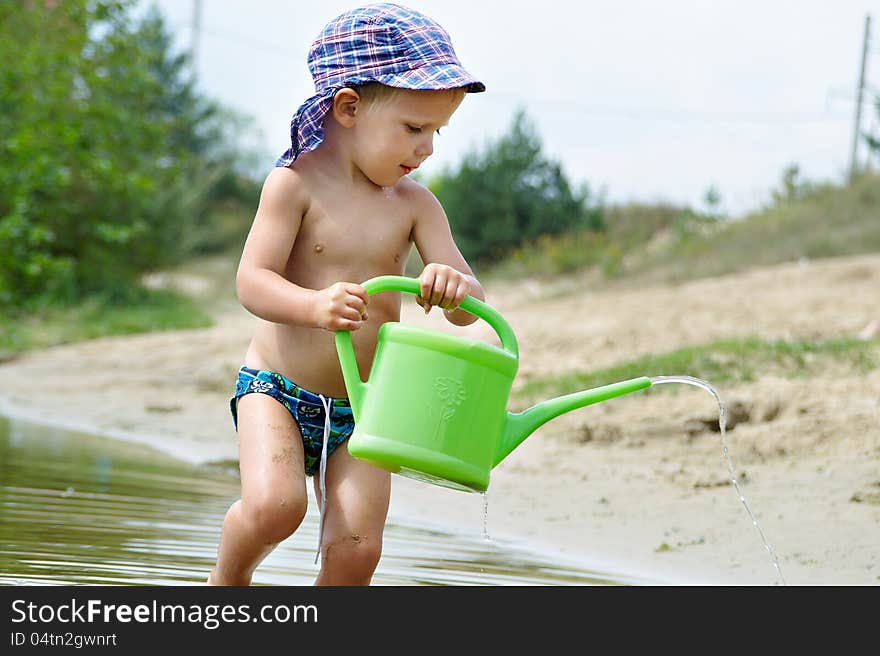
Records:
x=822, y=221
x=670, y=244
x=722, y=361
x=144, y=311
x=169, y=304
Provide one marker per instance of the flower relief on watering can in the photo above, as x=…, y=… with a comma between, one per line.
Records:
x=451, y=394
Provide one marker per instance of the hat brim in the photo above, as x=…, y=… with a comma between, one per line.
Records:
x=433, y=78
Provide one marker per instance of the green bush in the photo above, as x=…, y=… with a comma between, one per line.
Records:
x=509, y=195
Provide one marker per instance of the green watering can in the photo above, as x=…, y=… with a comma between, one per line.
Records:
x=435, y=406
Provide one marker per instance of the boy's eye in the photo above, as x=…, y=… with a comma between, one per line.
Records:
x=417, y=130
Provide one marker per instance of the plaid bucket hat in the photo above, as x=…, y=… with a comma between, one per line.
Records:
x=387, y=43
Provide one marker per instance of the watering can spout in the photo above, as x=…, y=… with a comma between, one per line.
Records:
x=520, y=425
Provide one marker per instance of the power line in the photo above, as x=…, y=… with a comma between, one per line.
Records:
x=227, y=36
x=712, y=116
x=686, y=115
x=599, y=111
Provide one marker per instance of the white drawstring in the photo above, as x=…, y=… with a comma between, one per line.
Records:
x=326, y=403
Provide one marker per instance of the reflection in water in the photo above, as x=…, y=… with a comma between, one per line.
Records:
x=81, y=509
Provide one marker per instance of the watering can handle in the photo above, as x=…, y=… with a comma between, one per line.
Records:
x=344, y=348
x=470, y=304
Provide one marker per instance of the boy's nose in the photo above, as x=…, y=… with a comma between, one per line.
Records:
x=426, y=147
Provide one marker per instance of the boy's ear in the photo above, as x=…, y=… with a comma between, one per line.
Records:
x=345, y=106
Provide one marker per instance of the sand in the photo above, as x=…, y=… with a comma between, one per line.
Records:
x=636, y=484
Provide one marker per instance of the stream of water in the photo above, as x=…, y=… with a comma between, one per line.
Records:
x=722, y=425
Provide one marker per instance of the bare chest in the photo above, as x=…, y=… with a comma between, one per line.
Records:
x=362, y=235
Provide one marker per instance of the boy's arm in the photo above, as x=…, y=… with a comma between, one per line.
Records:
x=262, y=288
x=447, y=278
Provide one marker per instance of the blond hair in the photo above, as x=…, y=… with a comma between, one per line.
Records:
x=376, y=94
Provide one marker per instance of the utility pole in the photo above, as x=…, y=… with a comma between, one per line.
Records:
x=853, y=162
x=196, y=35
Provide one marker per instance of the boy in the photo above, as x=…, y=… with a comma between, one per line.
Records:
x=337, y=210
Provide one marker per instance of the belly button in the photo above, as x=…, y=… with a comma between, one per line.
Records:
x=397, y=258
x=319, y=248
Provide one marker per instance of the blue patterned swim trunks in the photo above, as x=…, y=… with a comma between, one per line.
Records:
x=305, y=407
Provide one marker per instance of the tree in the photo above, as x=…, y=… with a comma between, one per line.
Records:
x=510, y=194
x=107, y=153
x=792, y=187
x=712, y=200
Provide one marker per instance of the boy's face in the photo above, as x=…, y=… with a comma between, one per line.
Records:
x=395, y=135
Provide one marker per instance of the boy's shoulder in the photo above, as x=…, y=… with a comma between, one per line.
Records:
x=285, y=178
x=416, y=194
x=287, y=185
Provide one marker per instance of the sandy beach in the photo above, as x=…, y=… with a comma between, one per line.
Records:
x=638, y=483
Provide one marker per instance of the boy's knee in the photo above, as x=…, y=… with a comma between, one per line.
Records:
x=357, y=554
x=276, y=517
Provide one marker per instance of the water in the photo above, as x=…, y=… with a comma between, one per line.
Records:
x=82, y=509
x=722, y=424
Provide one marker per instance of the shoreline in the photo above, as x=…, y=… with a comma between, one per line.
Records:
x=463, y=512
x=401, y=510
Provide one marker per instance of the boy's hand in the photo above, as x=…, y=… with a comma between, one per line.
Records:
x=443, y=286
x=341, y=306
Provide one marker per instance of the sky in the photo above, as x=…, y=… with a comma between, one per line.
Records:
x=642, y=100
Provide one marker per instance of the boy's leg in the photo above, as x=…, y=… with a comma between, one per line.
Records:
x=357, y=505
x=273, y=490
